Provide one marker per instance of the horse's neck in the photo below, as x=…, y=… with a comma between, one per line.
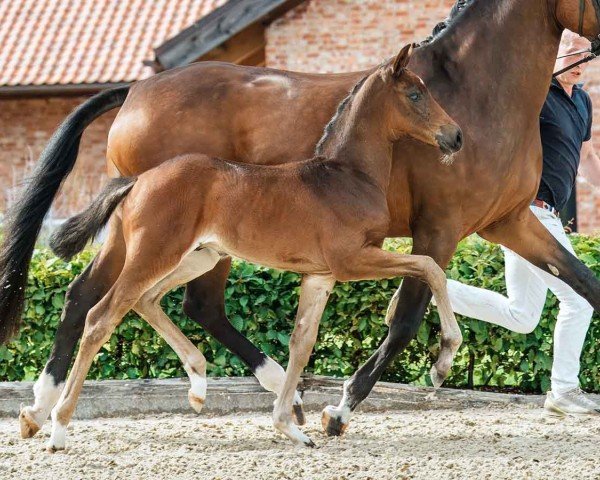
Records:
x=494, y=61
x=362, y=142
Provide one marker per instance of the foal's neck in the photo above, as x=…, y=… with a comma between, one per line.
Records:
x=361, y=139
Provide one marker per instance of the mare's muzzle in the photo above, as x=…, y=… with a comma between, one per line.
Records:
x=450, y=139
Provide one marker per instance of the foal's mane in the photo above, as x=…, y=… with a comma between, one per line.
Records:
x=331, y=127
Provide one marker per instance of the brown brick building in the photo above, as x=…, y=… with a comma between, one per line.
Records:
x=53, y=52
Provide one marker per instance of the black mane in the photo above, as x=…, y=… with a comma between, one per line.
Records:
x=458, y=7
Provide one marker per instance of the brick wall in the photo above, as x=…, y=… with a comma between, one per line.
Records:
x=347, y=35
x=26, y=125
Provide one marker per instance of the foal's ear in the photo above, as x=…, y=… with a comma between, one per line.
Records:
x=401, y=61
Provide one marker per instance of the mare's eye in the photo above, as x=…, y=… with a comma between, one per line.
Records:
x=415, y=96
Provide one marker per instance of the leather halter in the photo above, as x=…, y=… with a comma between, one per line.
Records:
x=582, y=9
x=595, y=50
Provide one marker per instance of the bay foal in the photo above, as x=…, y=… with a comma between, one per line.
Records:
x=325, y=218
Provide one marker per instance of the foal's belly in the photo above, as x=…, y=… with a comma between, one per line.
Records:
x=281, y=257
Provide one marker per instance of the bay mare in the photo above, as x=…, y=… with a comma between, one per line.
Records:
x=325, y=218
x=490, y=70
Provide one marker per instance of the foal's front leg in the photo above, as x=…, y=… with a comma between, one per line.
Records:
x=372, y=263
x=314, y=293
x=449, y=331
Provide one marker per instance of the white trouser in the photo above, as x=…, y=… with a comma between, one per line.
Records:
x=527, y=285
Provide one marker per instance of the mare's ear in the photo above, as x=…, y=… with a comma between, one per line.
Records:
x=401, y=60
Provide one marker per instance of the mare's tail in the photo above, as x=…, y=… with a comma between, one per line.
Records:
x=24, y=220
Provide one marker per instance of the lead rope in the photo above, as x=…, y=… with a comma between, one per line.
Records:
x=594, y=52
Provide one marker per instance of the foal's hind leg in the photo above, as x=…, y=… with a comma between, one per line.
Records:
x=194, y=363
x=136, y=278
x=83, y=293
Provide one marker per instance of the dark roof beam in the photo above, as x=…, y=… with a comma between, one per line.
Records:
x=217, y=27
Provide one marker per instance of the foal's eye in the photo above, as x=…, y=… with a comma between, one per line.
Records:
x=415, y=96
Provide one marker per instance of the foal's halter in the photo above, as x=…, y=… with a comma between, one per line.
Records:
x=595, y=50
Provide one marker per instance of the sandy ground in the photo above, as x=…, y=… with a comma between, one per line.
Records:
x=495, y=443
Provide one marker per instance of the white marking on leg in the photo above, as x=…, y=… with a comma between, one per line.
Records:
x=271, y=376
x=554, y=270
x=199, y=385
x=46, y=395
x=197, y=391
x=340, y=415
x=343, y=410
x=391, y=310
x=58, y=436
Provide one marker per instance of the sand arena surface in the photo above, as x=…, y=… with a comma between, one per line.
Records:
x=495, y=443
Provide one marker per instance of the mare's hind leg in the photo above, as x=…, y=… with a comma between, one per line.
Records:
x=194, y=363
x=205, y=304
x=85, y=291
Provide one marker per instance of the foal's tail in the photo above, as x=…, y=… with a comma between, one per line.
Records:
x=24, y=220
x=77, y=231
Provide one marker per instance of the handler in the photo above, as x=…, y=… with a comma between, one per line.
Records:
x=566, y=130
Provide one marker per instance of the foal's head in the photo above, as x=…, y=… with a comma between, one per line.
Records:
x=406, y=107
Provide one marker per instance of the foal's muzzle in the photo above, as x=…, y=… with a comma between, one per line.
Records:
x=450, y=139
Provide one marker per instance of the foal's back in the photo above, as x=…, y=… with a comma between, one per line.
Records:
x=280, y=216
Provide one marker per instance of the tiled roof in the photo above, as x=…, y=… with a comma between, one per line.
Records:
x=62, y=42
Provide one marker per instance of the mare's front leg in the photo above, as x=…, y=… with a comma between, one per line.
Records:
x=314, y=293
x=410, y=309
x=525, y=235
x=205, y=304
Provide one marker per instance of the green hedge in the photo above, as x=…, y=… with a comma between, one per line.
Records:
x=262, y=302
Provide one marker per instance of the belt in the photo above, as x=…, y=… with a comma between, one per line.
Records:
x=546, y=206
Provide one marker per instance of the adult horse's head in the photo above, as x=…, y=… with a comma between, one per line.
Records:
x=412, y=110
x=581, y=16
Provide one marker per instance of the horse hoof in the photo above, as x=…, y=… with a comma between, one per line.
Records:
x=332, y=422
x=298, y=415
x=54, y=448
x=437, y=379
x=29, y=427
x=195, y=401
